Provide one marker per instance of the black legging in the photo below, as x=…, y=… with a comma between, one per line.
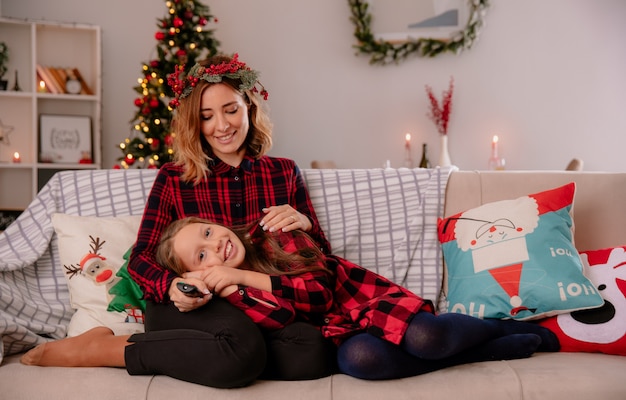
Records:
x=434, y=342
x=218, y=345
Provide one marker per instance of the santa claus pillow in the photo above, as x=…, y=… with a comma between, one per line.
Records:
x=600, y=330
x=515, y=259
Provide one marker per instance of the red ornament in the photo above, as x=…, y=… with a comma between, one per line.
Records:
x=202, y=21
x=159, y=35
x=181, y=53
x=145, y=110
x=169, y=140
x=130, y=160
x=178, y=22
x=154, y=103
x=189, y=15
x=117, y=166
x=154, y=144
x=152, y=166
x=154, y=63
x=138, y=102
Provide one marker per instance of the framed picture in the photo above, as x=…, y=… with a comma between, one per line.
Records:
x=64, y=138
x=7, y=217
x=415, y=19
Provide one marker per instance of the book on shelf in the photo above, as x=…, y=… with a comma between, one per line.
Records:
x=55, y=79
x=58, y=78
x=51, y=85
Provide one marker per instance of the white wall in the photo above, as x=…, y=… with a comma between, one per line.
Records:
x=546, y=76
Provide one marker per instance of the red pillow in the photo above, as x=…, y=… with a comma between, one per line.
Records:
x=599, y=330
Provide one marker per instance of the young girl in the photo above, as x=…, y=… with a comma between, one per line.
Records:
x=383, y=330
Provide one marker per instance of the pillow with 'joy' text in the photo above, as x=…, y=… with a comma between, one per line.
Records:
x=515, y=259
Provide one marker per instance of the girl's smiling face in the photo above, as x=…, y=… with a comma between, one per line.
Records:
x=201, y=246
x=224, y=122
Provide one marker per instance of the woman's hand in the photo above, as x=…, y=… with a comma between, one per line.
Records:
x=186, y=303
x=286, y=218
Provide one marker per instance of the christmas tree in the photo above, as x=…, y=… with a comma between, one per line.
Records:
x=126, y=294
x=182, y=38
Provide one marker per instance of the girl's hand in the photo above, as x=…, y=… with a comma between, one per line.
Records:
x=186, y=303
x=222, y=280
x=284, y=217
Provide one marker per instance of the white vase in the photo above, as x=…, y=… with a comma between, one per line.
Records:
x=444, y=156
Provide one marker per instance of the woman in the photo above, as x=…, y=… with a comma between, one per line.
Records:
x=221, y=172
x=383, y=330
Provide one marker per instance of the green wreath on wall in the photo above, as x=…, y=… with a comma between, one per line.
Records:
x=385, y=52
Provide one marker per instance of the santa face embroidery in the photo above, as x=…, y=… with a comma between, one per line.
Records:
x=499, y=246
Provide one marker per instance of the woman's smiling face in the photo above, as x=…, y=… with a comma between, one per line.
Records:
x=200, y=246
x=224, y=122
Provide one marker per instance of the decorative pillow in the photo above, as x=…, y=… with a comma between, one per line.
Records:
x=515, y=259
x=92, y=251
x=601, y=329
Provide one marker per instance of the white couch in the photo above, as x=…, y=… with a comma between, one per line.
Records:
x=403, y=205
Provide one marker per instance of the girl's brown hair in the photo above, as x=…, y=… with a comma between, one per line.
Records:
x=191, y=150
x=263, y=252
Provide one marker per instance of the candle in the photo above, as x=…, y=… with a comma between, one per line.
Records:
x=16, y=157
x=42, y=87
x=496, y=163
x=408, y=160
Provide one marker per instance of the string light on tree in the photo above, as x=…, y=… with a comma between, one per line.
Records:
x=182, y=39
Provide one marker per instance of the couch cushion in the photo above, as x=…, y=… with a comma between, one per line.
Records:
x=516, y=258
x=384, y=220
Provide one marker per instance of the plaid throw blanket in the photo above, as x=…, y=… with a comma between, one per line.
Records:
x=384, y=220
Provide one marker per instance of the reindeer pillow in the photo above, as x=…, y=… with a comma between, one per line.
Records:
x=92, y=253
x=600, y=330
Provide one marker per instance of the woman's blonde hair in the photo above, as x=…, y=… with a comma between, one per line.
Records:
x=191, y=149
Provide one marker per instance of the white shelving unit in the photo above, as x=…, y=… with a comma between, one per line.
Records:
x=50, y=44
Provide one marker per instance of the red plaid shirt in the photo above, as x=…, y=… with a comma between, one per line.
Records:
x=352, y=300
x=231, y=196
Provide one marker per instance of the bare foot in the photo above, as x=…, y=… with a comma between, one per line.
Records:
x=98, y=347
